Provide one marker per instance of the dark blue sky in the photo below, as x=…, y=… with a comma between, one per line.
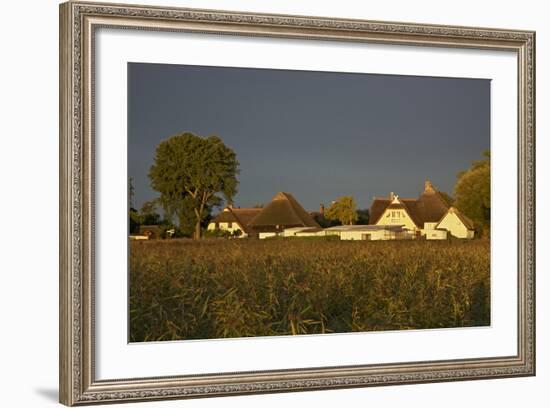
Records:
x=317, y=135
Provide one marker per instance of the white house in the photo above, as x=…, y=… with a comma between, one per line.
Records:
x=235, y=221
x=282, y=213
x=430, y=215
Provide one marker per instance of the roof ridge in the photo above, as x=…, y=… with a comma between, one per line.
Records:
x=292, y=212
x=281, y=195
x=241, y=224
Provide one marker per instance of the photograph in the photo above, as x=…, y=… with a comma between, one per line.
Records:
x=271, y=202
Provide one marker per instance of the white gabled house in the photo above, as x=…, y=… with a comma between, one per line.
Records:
x=430, y=215
x=397, y=213
x=457, y=224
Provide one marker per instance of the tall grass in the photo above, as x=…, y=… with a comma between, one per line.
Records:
x=182, y=289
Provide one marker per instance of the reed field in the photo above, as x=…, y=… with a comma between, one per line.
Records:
x=220, y=288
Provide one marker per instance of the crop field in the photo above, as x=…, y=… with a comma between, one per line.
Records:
x=220, y=288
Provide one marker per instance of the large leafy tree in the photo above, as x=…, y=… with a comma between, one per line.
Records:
x=192, y=174
x=149, y=214
x=343, y=210
x=473, y=193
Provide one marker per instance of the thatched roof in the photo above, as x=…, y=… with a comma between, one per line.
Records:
x=241, y=216
x=431, y=206
x=245, y=215
x=283, y=211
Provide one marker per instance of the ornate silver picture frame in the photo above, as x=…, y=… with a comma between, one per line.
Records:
x=79, y=22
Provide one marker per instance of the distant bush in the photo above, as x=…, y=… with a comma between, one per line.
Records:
x=216, y=233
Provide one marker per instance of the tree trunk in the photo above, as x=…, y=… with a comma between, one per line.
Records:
x=198, y=214
x=197, y=234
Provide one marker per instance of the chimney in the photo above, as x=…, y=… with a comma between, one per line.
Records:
x=392, y=196
x=428, y=186
x=322, y=209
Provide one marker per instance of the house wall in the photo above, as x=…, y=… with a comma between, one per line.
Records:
x=310, y=234
x=397, y=217
x=430, y=225
x=139, y=237
x=299, y=232
x=225, y=226
x=430, y=231
x=454, y=225
x=435, y=234
x=263, y=235
x=361, y=235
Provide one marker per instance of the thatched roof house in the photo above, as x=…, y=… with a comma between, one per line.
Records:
x=284, y=211
x=430, y=211
x=429, y=207
x=233, y=219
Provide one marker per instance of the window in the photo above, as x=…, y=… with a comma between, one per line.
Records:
x=366, y=237
x=229, y=224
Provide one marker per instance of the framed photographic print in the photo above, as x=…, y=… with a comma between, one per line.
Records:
x=256, y=203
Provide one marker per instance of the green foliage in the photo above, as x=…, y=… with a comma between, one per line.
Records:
x=216, y=233
x=448, y=199
x=133, y=216
x=323, y=221
x=363, y=216
x=186, y=289
x=148, y=213
x=135, y=221
x=473, y=193
x=193, y=174
x=343, y=210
